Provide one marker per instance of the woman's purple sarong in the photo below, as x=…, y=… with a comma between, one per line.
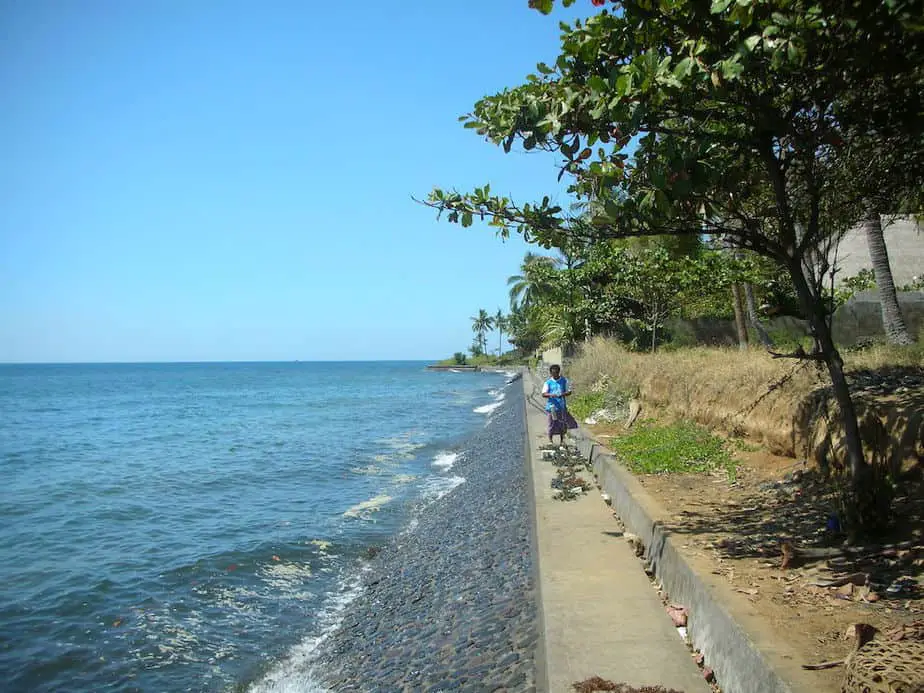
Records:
x=559, y=421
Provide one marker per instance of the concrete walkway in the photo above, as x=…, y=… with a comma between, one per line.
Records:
x=600, y=614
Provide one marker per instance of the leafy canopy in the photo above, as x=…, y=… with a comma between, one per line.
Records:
x=747, y=115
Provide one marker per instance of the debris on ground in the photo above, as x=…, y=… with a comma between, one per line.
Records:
x=595, y=683
x=569, y=463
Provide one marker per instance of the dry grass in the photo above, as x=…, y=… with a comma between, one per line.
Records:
x=881, y=356
x=780, y=403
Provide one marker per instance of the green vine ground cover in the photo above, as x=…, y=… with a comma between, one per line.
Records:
x=584, y=404
x=680, y=447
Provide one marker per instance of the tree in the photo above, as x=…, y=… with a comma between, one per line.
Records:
x=744, y=113
x=481, y=325
x=651, y=284
x=892, y=320
x=524, y=332
x=500, y=324
x=527, y=287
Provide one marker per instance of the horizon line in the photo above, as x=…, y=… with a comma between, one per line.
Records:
x=216, y=361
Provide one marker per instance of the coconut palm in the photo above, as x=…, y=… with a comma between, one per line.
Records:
x=500, y=324
x=527, y=287
x=481, y=325
x=892, y=320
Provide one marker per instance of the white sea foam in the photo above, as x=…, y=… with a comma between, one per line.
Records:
x=487, y=408
x=445, y=460
x=367, y=507
x=402, y=447
x=437, y=487
x=295, y=673
x=286, y=579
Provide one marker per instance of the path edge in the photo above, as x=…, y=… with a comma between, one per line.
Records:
x=740, y=666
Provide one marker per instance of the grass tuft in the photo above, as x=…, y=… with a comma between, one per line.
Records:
x=680, y=447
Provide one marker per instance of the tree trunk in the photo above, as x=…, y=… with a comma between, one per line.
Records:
x=815, y=310
x=654, y=328
x=751, y=306
x=740, y=324
x=892, y=320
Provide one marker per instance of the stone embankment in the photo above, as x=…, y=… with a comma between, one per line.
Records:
x=450, y=605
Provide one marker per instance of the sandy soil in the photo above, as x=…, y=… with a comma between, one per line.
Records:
x=736, y=528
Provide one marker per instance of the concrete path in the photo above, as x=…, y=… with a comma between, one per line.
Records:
x=600, y=614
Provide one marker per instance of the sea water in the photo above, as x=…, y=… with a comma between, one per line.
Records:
x=193, y=527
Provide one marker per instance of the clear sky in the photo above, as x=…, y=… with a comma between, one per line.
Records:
x=223, y=180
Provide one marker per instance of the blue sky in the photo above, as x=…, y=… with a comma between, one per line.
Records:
x=220, y=180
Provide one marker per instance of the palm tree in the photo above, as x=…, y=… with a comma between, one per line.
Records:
x=892, y=320
x=500, y=324
x=526, y=288
x=481, y=325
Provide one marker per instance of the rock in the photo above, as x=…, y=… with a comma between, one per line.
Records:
x=678, y=615
x=846, y=590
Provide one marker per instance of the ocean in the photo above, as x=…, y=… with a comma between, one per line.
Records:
x=199, y=527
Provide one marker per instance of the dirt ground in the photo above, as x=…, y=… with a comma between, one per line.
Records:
x=736, y=529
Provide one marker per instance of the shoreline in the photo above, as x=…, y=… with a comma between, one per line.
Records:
x=451, y=605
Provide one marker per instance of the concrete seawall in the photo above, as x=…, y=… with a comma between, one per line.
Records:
x=745, y=656
x=599, y=613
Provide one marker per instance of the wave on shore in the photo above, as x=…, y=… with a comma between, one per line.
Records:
x=372, y=505
x=446, y=534
x=445, y=460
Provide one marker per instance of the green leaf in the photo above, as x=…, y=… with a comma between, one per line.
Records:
x=751, y=42
x=612, y=209
x=597, y=83
x=683, y=68
x=719, y=6
x=544, y=69
x=731, y=68
x=466, y=219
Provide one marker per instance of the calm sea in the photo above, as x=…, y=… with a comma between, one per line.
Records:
x=197, y=527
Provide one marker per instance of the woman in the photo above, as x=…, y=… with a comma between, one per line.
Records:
x=555, y=390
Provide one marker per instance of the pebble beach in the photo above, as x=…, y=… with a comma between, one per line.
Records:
x=450, y=603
